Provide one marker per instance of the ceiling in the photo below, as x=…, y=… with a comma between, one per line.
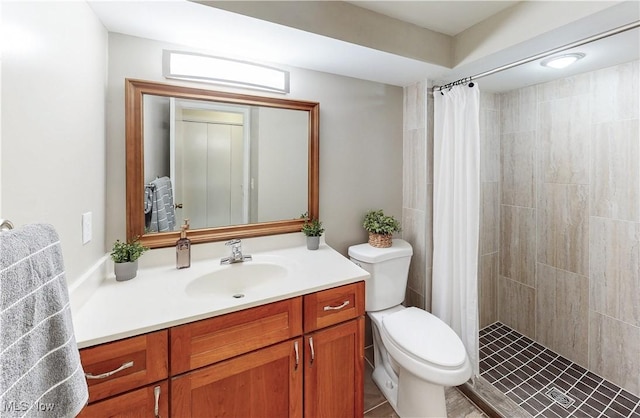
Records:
x=484, y=28
x=448, y=17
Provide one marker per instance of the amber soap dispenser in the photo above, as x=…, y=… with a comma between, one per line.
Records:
x=183, y=248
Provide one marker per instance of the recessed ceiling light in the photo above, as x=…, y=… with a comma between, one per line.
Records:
x=562, y=61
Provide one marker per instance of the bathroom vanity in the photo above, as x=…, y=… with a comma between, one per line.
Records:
x=295, y=347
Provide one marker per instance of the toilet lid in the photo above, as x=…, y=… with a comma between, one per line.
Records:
x=425, y=336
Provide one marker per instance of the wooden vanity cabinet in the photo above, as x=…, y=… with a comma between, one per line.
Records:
x=303, y=356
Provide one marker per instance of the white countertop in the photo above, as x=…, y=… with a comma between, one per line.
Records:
x=158, y=298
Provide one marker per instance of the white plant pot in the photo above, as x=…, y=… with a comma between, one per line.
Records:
x=313, y=243
x=125, y=271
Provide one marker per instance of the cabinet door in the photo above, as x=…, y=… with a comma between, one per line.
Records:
x=334, y=370
x=150, y=401
x=263, y=383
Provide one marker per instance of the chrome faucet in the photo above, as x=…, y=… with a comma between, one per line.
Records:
x=236, y=253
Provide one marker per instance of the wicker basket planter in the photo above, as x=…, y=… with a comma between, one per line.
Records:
x=380, y=228
x=380, y=240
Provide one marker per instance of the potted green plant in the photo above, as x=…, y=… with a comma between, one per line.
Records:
x=313, y=229
x=125, y=258
x=380, y=227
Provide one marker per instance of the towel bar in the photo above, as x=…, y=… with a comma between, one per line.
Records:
x=5, y=225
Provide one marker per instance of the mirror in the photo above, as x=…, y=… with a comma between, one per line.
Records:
x=235, y=165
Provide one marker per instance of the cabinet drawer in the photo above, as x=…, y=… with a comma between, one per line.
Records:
x=211, y=340
x=150, y=401
x=332, y=306
x=123, y=365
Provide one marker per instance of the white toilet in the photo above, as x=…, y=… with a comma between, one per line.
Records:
x=415, y=354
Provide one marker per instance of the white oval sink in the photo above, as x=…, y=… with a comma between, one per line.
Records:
x=236, y=279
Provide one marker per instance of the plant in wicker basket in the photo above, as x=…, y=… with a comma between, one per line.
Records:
x=380, y=227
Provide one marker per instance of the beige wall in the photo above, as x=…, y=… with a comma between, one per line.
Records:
x=570, y=218
x=360, y=140
x=53, y=129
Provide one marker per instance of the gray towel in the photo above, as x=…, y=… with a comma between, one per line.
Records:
x=158, y=206
x=41, y=374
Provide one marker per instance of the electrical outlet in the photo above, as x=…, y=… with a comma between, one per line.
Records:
x=86, y=227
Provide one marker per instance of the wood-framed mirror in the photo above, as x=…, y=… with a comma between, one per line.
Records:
x=235, y=165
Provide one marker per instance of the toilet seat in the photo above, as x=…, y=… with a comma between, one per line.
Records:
x=423, y=345
x=425, y=337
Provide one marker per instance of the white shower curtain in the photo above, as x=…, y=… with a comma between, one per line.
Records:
x=456, y=213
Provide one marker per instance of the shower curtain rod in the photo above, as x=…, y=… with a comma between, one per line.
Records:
x=536, y=57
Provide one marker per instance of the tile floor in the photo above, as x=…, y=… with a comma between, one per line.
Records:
x=546, y=384
x=376, y=406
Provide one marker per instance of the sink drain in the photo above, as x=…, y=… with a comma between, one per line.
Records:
x=238, y=295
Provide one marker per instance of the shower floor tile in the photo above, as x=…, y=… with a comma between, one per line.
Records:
x=546, y=384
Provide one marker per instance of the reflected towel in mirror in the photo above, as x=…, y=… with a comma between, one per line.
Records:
x=158, y=206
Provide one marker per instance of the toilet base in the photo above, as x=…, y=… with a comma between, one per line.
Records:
x=411, y=396
x=387, y=386
x=419, y=398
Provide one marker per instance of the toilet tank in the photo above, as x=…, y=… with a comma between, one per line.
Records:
x=389, y=270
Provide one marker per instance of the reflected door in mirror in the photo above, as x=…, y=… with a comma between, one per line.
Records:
x=209, y=174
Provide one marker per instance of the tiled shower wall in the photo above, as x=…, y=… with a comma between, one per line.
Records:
x=417, y=194
x=569, y=259
x=489, y=240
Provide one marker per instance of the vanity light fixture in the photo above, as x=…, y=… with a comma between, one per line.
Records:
x=229, y=72
x=562, y=61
